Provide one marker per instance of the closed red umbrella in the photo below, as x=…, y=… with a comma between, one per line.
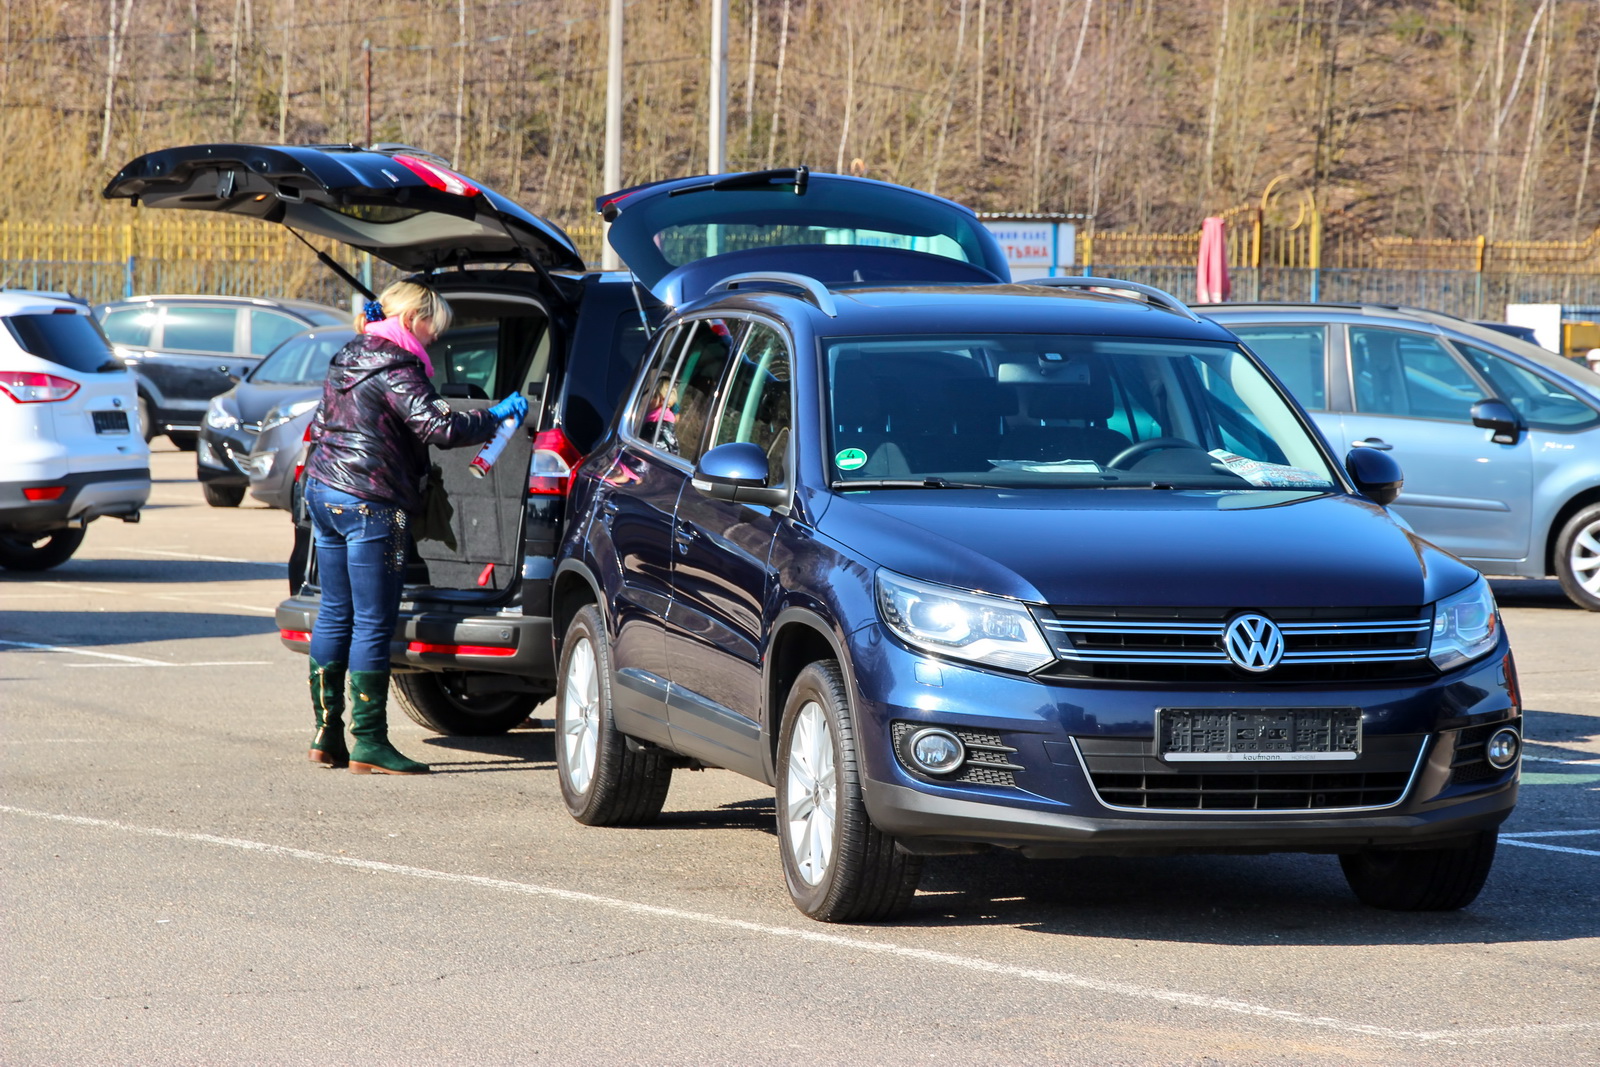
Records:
x=1211, y=280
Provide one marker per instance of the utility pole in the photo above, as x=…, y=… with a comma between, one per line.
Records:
x=366, y=51
x=716, y=142
x=612, y=178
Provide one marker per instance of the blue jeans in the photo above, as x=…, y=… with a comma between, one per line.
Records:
x=361, y=565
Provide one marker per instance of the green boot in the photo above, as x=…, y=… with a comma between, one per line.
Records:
x=369, y=723
x=327, y=700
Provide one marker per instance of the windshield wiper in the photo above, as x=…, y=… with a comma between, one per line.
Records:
x=908, y=483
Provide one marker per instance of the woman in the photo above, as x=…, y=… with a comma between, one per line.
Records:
x=364, y=479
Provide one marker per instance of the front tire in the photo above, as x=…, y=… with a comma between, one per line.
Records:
x=604, y=780
x=1429, y=879
x=222, y=496
x=38, y=552
x=185, y=440
x=1578, y=558
x=441, y=702
x=838, y=866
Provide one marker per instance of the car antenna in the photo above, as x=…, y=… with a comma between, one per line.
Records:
x=333, y=265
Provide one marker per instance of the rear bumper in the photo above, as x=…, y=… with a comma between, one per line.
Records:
x=441, y=640
x=88, y=495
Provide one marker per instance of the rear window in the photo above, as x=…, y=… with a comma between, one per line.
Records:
x=302, y=360
x=595, y=386
x=72, y=341
x=131, y=326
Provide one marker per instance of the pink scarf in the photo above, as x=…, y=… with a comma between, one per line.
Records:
x=394, y=330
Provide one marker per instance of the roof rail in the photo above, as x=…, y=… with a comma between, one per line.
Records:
x=814, y=290
x=1159, y=297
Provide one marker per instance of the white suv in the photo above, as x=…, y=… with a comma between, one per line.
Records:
x=70, y=446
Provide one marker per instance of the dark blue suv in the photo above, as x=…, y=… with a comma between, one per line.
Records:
x=1054, y=568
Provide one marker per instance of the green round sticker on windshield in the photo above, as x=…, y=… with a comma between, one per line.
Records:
x=850, y=459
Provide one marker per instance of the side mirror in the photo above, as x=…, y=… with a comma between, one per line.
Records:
x=1496, y=416
x=737, y=472
x=1375, y=473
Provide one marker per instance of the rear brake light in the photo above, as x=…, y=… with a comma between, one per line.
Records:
x=45, y=492
x=31, y=387
x=300, y=464
x=294, y=635
x=441, y=178
x=459, y=650
x=554, y=460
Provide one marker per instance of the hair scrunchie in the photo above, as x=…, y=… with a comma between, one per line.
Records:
x=373, y=310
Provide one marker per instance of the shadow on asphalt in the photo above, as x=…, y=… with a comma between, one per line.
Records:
x=151, y=571
x=1530, y=593
x=90, y=629
x=519, y=750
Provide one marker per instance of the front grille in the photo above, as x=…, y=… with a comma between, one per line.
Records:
x=1125, y=773
x=1468, y=764
x=988, y=757
x=1185, y=645
x=110, y=421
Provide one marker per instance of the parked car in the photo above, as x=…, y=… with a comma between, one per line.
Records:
x=1521, y=333
x=184, y=350
x=1500, y=439
x=474, y=631
x=1044, y=569
x=71, y=451
x=245, y=425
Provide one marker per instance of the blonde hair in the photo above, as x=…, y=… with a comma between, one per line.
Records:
x=413, y=298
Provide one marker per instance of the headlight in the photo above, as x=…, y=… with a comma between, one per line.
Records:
x=279, y=416
x=1465, y=626
x=219, y=417
x=984, y=629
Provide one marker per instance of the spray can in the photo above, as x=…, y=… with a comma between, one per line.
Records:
x=492, y=449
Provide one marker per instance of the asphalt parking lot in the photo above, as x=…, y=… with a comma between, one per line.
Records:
x=182, y=887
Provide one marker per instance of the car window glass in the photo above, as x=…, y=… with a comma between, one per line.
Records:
x=1295, y=355
x=70, y=341
x=646, y=419
x=302, y=360
x=1543, y=404
x=199, y=329
x=131, y=326
x=686, y=407
x=755, y=406
x=1397, y=372
x=268, y=330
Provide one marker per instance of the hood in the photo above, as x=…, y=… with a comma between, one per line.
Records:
x=254, y=401
x=403, y=205
x=1150, y=548
x=680, y=237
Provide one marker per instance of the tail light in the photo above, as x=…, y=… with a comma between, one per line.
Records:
x=31, y=387
x=305, y=441
x=442, y=178
x=44, y=492
x=554, y=460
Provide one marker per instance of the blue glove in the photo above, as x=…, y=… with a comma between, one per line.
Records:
x=514, y=406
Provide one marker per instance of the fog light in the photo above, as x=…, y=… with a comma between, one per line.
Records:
x=1502, y=749
x=936, y=751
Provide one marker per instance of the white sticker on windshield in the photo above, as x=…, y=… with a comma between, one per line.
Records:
x=1268, y=475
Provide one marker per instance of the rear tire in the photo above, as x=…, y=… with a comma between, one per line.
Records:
x=146, y=427
x=604, y=780
x=1430, y=879
x=439, y=701
x=38, y=552
x=838, y=866
x=1578, y=558
x=222, y=496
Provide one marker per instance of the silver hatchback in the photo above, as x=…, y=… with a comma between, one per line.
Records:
x=1499, y=439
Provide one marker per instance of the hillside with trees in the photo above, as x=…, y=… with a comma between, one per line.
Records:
x=1427, y=118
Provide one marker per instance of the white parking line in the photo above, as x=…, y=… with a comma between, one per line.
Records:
x=128, y=661
x=1557, y=759
x=1521, y=841
x=198, y=556
x=1127, y=990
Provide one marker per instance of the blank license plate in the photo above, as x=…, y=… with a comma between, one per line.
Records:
x=110, y=421
x=1276, y=735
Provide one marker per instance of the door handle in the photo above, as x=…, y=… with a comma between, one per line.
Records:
x=683, y=536
x=1377, y=444
x=610, y=505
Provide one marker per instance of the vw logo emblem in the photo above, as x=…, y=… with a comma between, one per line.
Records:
x=1253, y=642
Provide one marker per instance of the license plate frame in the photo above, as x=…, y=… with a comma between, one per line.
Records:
x=1257, y=735
x=110, y=421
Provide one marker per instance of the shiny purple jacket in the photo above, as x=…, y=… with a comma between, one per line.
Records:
x=378, y=414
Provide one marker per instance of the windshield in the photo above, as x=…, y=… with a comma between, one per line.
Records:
x=1020, y=410
x=303, y=359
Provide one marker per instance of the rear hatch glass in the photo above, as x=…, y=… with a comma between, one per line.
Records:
x=70, y=340
x=680, y=237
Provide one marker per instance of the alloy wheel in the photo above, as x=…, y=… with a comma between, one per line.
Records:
x=1584, y=558
x=580, y=717
x=811, y=794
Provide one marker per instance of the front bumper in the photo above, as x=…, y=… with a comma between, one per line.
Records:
x=437, y=639
x=1072, y=744
x=218, y=454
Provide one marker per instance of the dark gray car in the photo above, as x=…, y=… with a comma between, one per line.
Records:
x=246, y=425
x=184, y=350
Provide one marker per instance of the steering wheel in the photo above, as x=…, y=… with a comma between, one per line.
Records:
x=1142, y=448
